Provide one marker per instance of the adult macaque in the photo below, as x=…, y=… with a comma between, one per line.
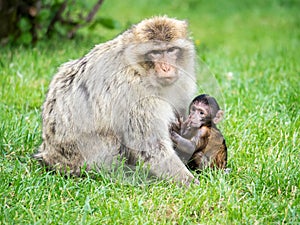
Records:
x=200, y=143
x=118, y=101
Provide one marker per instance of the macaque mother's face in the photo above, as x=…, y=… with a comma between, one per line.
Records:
x=164, y=62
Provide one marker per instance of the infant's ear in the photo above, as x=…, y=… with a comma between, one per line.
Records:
x=218, y=117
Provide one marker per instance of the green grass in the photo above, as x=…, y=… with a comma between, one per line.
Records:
x=257, y=41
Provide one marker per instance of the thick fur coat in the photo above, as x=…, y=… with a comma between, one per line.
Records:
x=108, y=105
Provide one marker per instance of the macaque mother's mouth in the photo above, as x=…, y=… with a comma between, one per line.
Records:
x=168, y=79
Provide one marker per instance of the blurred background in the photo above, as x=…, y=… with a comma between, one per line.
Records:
x=248, y=53
x=218, y=23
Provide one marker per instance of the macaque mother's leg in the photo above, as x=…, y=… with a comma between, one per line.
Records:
x=148, y=139
x=172, y=167
x=100, y=150
x=162, y=160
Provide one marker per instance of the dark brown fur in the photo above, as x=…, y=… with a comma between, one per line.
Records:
x=212, y=153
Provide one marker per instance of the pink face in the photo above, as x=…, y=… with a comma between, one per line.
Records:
x=199, y=114
x=165, y=64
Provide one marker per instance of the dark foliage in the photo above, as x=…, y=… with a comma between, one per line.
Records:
x=27, y=21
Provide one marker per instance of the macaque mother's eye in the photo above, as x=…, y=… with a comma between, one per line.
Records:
x=173, y=50
x=154, y=54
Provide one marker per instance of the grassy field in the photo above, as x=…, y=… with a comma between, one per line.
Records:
x=250, y=51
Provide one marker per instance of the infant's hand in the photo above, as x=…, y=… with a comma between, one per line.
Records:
x=176, y=125
x=175, y=137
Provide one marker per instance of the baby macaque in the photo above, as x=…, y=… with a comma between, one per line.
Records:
x=199, y=143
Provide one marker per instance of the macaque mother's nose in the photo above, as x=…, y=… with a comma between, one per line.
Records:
x=165, y=67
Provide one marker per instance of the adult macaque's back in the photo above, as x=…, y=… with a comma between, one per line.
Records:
x=118, y=101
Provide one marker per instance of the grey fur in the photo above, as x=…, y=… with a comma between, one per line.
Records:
x=106, y=105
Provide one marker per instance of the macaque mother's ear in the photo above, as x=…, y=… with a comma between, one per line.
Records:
x=218, y=117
